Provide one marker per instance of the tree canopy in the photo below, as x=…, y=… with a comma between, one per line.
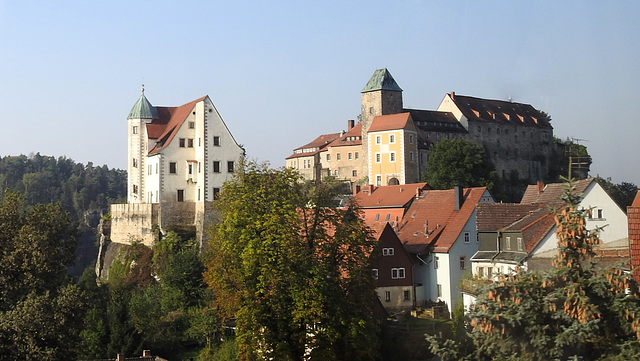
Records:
x=458, y=162
x=575, y=309
x=291, y=269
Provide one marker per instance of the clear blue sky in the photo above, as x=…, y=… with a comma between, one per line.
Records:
x=281, y=73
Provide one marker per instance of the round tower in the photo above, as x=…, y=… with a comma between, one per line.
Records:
x=140, y=115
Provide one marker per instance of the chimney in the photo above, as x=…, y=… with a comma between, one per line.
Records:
x=453, y=95
x=350, y=124
x=356, y=189
x=459, y=197
x=417, y=192
x=540, y=185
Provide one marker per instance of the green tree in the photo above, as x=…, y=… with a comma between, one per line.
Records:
x=623, y=193
x=291, y=269
x=576, y=309
x=459, y=162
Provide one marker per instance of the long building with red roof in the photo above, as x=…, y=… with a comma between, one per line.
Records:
x=391, y=144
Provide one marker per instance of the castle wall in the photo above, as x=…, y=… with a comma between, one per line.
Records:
x=133, y=222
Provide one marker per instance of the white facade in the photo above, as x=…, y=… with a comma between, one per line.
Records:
x=192, y=157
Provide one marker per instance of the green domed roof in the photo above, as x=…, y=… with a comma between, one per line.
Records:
x=381, y=80
x=143, y=109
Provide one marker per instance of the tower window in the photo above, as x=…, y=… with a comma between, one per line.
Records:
x=135, y=129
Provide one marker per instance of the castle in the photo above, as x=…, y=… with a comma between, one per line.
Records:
x=391, y=144
x=178, y=159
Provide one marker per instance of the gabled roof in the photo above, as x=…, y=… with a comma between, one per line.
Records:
x=534, y=227
x=432, y=221
x=491, y=217
x=390, y=122
x=143, y=109
x=636, y=200
x=352, y=137
x=397, y=196
x=381, y=80
x=163, y=129
x=550, y=194
x=499, y=111
x=315, y=146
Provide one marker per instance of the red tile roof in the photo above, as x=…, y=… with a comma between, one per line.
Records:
x=347, y=138
x=319, y=144
x=636, y=200
x=388, y=196
x=163, y=129
x=435, y=213
x=390, y=122
x=551, y=193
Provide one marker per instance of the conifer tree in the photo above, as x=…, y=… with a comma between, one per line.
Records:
x=576, y=309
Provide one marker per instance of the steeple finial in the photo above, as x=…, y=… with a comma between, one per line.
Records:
x=142, y=88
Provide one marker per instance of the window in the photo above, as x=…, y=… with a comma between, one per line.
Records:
x=335, y=172
x=397, y=273
x=190, y=168
x=378, y=180
x=135, y=129
x=439, y=288
x=596, y=213
x=216, y=141
x=180, y=195
x=354, y=173
x=216, y=166
x=410, y=138
x=375, y=273
x=199, y=167
x=520, y=244
x=377, y=217
x=480, y=272
x=182, y=142
x=216, y=193
x=190, y=142
x=328, y=157
x=407, y=295
x=198, y=193
x=149, y=169
x=507, y=244
x=173, y=168
x=338, y=157
x=349, y=156
x=387, y=251
x=436, y=262
x=134, y=162
x=462, y=262
x=392, y=138
x=230, y=166
x=467, y=237
x=392, y=156
x=411, y=156
x=357, y=155
x=378, y=158
x=387, y=296
x=135, y=189
x=378, y=139
x=489, y=272
x=156, y=168
x=192, y=125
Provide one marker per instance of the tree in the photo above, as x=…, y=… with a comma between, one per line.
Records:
x=292, y=270
x=458, y=162
x=623, y=193
x=576, y=309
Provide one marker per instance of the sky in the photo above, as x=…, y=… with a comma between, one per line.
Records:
x=281, y=73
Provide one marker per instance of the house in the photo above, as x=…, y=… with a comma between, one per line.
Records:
x=178, y=159
x=523, y=234
x=391, y=144
x=392, y=268
x=437, y=229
